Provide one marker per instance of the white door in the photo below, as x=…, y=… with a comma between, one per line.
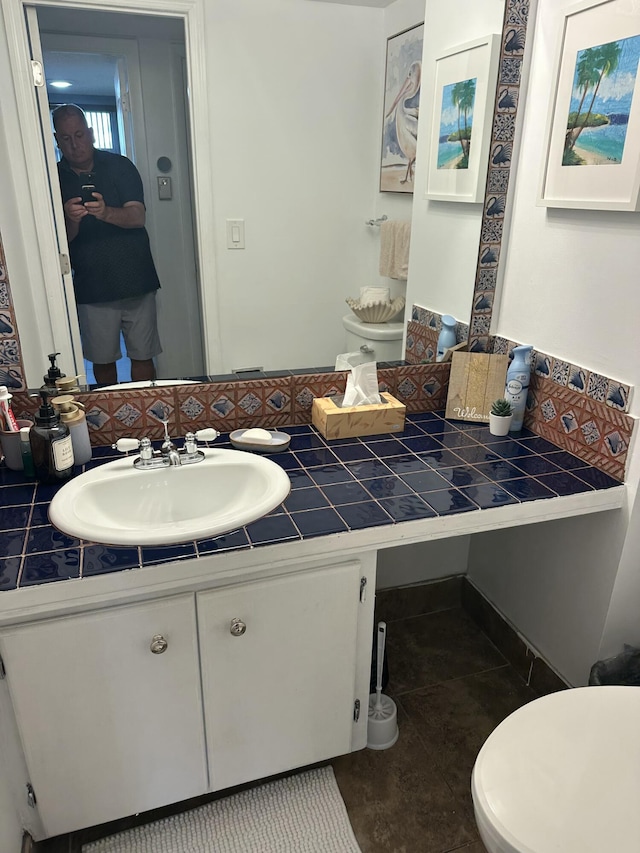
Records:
x=280, y=693
x=60, y=296
x=108, y=727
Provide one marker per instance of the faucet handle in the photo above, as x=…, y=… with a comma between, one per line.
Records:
x=208, y=434
x=124, y=445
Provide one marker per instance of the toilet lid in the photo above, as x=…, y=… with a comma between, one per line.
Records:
x=562, y=774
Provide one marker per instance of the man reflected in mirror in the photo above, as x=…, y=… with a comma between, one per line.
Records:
x=114, y=276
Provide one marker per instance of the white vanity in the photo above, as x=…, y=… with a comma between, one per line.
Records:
x=138, y=688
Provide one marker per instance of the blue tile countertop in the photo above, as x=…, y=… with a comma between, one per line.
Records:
x=433, y=468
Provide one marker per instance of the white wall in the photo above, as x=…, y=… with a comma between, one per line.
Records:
x=571, y=289
x=445, y=235
x=422, y=562
x=295, y=95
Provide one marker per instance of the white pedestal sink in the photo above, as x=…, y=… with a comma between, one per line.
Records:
x=117, y=504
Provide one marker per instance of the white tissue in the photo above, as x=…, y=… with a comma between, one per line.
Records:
x=374, y=295
x=362, y=382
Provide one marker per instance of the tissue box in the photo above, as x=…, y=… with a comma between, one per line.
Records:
x=353, y=421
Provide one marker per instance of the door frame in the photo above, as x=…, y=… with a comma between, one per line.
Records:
x=43, y=263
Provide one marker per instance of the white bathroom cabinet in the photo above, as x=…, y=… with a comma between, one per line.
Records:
x=247, y=679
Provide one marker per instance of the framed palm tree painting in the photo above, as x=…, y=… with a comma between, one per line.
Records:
x=461, y=120
x=593, y=136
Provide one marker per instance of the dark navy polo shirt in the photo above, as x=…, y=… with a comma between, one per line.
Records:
x=109, y=262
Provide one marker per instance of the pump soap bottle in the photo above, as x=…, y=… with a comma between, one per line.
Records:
x=72, y=414
x=517, y=387
x=51, y=445
x=51, y=375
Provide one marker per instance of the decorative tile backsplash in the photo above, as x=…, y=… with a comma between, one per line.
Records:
x=423, y=330
x=580, y=411
x=11, y=369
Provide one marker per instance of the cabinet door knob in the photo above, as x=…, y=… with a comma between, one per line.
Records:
x=237, y=627
x=158, y=644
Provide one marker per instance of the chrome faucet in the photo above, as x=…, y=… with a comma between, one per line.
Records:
x=168, y=455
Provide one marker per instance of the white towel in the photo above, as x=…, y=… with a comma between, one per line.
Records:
x=395, y=237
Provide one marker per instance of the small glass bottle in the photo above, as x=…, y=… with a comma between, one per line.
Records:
x=25, y=452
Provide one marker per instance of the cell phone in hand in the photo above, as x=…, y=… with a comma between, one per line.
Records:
x=87, y=188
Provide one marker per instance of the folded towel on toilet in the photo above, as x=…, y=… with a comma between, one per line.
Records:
x=395, y=237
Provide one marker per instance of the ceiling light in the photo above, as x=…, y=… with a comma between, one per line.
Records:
x=60, y=84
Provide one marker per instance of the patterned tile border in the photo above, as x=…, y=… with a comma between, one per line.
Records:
x=590, y=429
x=423, y=330
x=514, y=34
x=11, y=365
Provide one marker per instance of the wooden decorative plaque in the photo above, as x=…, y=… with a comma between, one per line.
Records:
x=477, y=379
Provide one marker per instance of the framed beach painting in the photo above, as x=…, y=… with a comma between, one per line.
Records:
x=401, y=104
x=592, y=158
x=463, y=101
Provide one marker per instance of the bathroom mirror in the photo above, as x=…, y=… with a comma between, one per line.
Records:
x=294, y=149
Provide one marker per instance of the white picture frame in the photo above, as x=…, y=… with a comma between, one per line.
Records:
x=592, y=155
x=464, y=96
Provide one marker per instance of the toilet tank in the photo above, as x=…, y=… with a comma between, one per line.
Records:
x=376, y=341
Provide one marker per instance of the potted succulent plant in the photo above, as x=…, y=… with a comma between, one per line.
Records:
x=500, y=417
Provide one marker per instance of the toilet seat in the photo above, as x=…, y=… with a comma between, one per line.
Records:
x=562, y=775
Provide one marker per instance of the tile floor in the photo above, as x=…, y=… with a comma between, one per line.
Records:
x=453, y=687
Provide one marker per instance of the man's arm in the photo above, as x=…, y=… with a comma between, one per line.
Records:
x=130, y=215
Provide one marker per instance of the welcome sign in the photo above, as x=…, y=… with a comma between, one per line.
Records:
x=477, y=379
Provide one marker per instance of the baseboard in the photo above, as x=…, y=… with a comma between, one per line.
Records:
x=528, y=663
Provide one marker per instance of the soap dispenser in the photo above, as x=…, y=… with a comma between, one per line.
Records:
x=72, y=414
x=51, y=375
x=51, y=446
x=517, y=387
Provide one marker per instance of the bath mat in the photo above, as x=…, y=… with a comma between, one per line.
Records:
x=299, y=814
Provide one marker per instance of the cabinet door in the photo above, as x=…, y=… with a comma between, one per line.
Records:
x=281, y=694
x=109, y=728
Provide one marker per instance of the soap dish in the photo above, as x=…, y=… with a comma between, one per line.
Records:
x=377, y=312
x=279, y=441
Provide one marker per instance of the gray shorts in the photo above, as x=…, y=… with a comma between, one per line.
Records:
x=101, y=323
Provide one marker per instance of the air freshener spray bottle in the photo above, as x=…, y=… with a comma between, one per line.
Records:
x=517, y=386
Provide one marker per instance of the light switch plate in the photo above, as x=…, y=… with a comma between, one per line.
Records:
x=235, y=233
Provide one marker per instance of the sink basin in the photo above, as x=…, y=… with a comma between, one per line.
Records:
x=117, y=504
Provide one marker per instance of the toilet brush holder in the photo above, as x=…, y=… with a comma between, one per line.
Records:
x=382, y=725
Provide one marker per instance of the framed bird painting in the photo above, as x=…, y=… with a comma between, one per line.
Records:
x=401, y=105
x=460, y=134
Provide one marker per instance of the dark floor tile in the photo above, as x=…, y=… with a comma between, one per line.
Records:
x=497, y=629
x=407, y=601
x=544, y=680
x=454, y=718
x=427, y=649
x=396, y=802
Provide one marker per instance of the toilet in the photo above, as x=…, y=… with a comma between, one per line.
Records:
x=562, y=775
x=376, y=341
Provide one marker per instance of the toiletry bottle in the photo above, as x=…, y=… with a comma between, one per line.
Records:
x=7, y=418
x=517, y=386
x=51, y=445
x=447, y=336
x=51, y=375
x=25, y=452
x=71, y=413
